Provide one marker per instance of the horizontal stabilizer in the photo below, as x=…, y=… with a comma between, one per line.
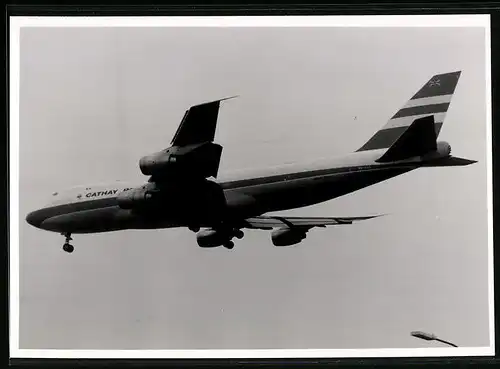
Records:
x=451, y=161
x=419, y=139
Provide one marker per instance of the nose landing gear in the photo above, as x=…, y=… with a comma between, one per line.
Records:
x=67, y=246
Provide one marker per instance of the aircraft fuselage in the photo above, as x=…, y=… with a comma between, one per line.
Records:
x=92, y=209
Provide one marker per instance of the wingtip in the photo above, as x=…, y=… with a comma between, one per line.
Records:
x=215, y=101
x=230, y=97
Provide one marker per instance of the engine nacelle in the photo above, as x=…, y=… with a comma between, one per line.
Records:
x=211, y=238
x=287, y=236
x=198, y=201
x=443, y=150
x=149, y=164
x=133, y=198
x=202, y=159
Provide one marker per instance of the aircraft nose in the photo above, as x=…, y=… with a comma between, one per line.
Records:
x=35, y=218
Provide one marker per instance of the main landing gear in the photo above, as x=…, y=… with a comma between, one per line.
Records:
x=238, y=233
x=217, y=235
x=67, y=246
x=229, y=245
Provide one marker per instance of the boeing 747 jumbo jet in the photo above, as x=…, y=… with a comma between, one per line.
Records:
x=183, y=189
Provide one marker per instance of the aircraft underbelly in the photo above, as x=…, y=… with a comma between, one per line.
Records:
x=304, y=192
x=105, y=219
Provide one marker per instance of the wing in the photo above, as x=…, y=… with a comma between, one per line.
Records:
x=198, y=124
x=193, y=152
x=304, y=223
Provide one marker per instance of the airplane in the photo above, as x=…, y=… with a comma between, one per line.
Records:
x=183, y=189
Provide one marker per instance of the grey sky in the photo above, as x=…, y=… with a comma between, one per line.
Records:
x=93, y=101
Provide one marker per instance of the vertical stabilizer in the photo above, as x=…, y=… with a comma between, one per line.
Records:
x=433, y=99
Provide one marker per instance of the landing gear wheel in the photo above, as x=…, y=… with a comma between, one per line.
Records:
x=239, y=234
x=229, y=245
x=68, y=248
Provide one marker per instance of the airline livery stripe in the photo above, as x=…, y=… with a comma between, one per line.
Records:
x=384, y=138
x=308, y=175
x=406, y=121
x=419, y=110
x=101, y=203
x=429, y=93
x=428, y=101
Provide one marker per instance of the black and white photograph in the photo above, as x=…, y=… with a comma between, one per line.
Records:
x=250, y=187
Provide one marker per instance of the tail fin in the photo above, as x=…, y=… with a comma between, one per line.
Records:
x=433, y=99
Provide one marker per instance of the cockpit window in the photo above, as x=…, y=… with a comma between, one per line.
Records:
x=55, y=194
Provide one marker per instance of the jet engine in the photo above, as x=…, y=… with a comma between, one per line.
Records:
x=211, y=238
x=443, y=150
x=202, y=159
x=193, y=201
x=287, y=236
x=133, y=198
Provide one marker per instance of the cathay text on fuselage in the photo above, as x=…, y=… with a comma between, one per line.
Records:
x=105, y=193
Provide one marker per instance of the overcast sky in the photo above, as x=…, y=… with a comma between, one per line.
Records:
x=93, y=101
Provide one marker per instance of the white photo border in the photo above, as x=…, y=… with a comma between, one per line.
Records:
x=16, y=23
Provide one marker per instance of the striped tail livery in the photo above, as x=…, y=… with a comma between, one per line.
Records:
x=431, y=101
